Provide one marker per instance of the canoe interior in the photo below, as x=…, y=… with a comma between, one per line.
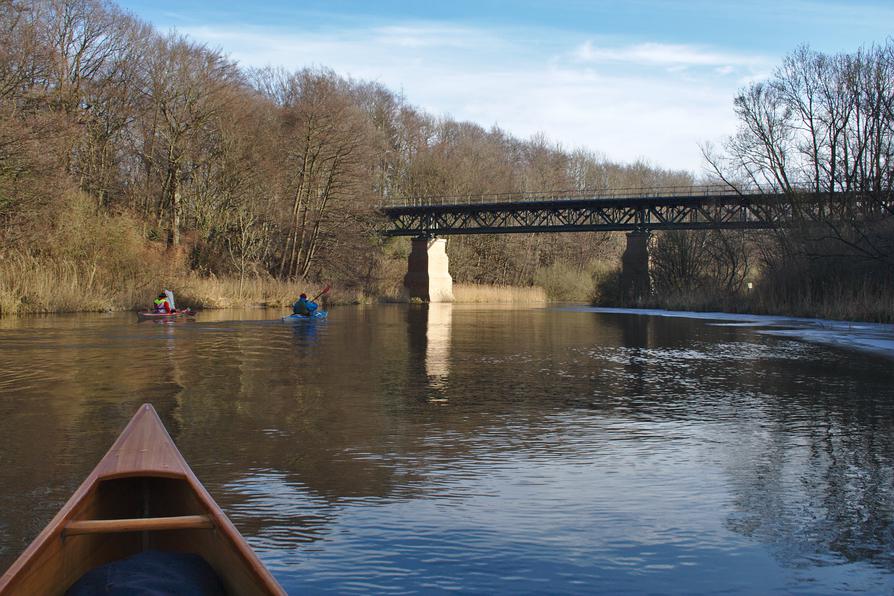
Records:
x=142, y=495
x=63, y=559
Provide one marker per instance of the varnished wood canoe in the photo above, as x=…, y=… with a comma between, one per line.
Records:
x=141, y=496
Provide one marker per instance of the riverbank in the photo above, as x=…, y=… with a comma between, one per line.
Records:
x=844, y=300
x=226, y=293
x=26, y=288
x=877, y=338
x=69, y=288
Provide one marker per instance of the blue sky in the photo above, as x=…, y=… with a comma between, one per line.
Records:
x=635, y=79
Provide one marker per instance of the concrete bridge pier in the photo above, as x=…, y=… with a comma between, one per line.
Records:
x=427, y=277
x=635, y=282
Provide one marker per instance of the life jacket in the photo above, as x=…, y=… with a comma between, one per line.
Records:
x=301, y=307
x=162, y=306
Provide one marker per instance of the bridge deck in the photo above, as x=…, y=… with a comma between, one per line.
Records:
x=669, y=208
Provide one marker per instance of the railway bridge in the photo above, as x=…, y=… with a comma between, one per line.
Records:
x=636, y=211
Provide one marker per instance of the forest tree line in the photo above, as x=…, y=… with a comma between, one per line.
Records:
x=821, y=126
x=244, y=172
x=129, y=157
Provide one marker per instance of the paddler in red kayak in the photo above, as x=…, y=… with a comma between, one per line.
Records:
x=162, y=305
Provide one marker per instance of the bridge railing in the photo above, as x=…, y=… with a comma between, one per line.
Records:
x=558, y=195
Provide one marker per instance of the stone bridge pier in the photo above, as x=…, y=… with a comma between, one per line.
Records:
x=428, y=277
x=636, y=285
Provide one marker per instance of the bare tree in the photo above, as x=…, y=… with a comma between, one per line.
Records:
x=244, y=240
x=322, y=136
x=822, y=132
x=185, y=87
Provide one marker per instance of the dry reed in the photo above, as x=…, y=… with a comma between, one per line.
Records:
x=479, y=293
x=29, y=285
x=217, y=292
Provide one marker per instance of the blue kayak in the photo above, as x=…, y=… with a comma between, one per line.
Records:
x=320, y=314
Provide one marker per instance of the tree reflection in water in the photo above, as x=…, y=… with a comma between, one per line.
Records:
x=588, y=449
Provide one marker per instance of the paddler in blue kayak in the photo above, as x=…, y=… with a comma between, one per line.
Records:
x=304, y=306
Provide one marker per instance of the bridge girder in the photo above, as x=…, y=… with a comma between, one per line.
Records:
x=697, y=212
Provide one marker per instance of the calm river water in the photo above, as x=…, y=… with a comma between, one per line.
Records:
x=409, y=449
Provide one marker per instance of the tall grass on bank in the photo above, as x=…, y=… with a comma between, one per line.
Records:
x=29, y=285
x=83, y=260
x=596, y=282
x=476, y=293
x=217, y=292
x=843, y=304
x=564, y=283
x=844, y=299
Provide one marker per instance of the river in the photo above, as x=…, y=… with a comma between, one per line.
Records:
x=409, y=449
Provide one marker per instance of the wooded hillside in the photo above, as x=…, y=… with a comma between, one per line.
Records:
x=131, y=159
x=128, y=154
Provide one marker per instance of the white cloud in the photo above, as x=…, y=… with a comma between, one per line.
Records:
x=651, y=54
x=427, y=36
x=578, y=94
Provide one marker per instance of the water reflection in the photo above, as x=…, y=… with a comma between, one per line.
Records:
x=305, y=332
x=437, y=349
x=428, y=329
x=814, y=479
x=497, y=450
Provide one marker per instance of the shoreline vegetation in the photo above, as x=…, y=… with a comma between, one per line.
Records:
x=27, y=287
x=68, y=287
x=129, y=283
x=860, y=304
x=133, y=160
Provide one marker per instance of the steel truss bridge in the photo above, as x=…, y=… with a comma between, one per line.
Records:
x=639, y=209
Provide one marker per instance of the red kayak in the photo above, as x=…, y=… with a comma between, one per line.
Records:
x=148, y=315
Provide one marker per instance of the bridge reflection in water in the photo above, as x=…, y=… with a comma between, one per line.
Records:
x=437, y=344
x=429, y=335
x=577, y=450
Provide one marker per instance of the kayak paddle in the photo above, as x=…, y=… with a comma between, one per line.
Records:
x=326, y=289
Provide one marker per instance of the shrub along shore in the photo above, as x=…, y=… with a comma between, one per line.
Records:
x=28, y=287
x=854, y=303
x=121, y=272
